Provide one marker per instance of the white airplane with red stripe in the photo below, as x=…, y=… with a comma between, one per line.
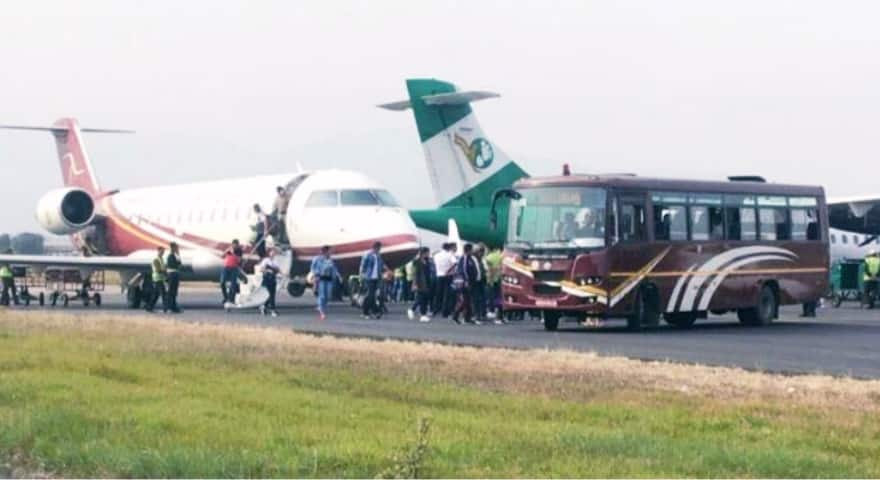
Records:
x=345, y=210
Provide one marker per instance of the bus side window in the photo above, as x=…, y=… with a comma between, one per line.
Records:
x=774, y=224
x=804, y=224
x=670, y=222
x=748, y=223
x=734, y=224
x=699, y=222
x=632, y=219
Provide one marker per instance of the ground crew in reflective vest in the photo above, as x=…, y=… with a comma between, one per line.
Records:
x=159, y=276
x=872, y=266
x=872, y=272
x=7, y=277
x=172, y=267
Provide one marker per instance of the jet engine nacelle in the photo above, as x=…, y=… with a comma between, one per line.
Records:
x=65, y=210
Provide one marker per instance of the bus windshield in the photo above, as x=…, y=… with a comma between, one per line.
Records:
x=558, y=217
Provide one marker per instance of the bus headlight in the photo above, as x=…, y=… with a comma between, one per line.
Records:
x=510, y=280
x=584, y=281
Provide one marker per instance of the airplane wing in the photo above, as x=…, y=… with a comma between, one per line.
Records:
x=98, y=263
x=855, y=214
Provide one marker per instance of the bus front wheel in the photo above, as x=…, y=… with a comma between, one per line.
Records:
x=645, y=310
x=551, y=320
x=681, y=319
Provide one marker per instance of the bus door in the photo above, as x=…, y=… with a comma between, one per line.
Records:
x=630, y=251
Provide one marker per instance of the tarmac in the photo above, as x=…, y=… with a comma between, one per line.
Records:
x=841, y=341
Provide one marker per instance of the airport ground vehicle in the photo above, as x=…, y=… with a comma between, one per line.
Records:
x=621, y=246
x=59, y=286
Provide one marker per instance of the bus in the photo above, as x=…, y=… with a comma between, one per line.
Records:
x=642, y=249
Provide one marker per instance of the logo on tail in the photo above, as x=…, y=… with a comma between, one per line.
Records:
x=479, y=152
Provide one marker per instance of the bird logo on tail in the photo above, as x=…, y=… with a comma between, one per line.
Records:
x=479, y=152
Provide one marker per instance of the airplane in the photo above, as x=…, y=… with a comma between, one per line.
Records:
x=122, y=228
x=466, y=168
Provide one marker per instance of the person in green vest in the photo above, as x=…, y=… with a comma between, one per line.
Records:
x=872, y=272
x=159, y=275
x=7, y=277
x=493, y=262
x=172, y=268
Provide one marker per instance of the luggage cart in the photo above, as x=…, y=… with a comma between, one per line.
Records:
x=64, y=285
x=847, y=281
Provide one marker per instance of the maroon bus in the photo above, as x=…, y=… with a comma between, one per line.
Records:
x=622, y=246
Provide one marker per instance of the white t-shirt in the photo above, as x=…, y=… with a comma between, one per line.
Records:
x=443, y=262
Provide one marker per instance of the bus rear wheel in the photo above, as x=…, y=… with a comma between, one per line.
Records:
x=551, y=320
x=764, y=312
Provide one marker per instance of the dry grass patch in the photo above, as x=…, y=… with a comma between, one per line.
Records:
x=563, y=374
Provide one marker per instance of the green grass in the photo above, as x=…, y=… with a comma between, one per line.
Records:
x=87, y=404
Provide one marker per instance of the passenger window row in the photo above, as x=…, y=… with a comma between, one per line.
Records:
x=856, y=240
x=712, y=217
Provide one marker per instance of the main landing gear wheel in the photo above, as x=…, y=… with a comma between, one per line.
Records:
x=97, y=299
x=133, y=298
x=764, y=312
x=551, y=320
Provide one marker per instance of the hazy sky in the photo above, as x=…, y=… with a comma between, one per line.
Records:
x=788, y=90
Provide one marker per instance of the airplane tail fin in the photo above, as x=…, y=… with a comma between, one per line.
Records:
x=76, y=169
x=464, y=165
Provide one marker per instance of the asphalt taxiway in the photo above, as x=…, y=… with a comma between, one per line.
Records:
x=843, y=341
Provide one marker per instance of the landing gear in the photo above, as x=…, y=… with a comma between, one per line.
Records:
x=133, y=297
x=296, y=289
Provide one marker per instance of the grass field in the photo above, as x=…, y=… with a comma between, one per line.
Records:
x=104, y=396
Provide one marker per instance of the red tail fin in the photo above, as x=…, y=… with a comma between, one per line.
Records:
x=75, y=166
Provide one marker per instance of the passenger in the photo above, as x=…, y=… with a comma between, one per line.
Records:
x=259, y=224
x=229, y=277
x=279, y=211
x=568, y=228
x=478, y=290
x=270, y=270
x=467, y=277
x=159, y=274
x=387, y=288
x=408, y=280
x=397, y=288
x=872, y=272
x=371, y=273
x=421, y=281
x=7, y=277
x=493, y=278
x=326, y=275
x=172, y=267
x=444, y=266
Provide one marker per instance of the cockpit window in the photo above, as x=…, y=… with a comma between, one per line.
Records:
x=358, y=197
x=386, y=198
x=323, y=198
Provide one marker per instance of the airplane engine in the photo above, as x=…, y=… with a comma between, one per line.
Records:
x=65, y=211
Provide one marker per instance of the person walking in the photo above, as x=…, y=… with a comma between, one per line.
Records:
x=421, y=282
x=478, y=292
x=259, y=224
x=371, y=272
x=229, y=276
x=159, y=275
x=444, y=266
x=279, y=211
x=493, y=277
x=408, y=279
x=467, y=276
x=270, y=269
x=172, y=268
x=326, y=275
x=7, y=278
